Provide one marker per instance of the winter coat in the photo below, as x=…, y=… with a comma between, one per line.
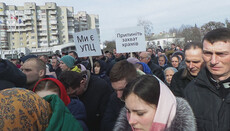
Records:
x=156, y=70
x=184, y=119
x=10, y=75
x=210, y=102
x=61, y=119
x=112, y=112
x=95, y=99
x=77, y=109
x=179, y=81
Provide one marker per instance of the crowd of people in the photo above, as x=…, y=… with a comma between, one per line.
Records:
x=172, y=89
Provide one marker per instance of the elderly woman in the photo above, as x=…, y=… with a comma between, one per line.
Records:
x=24, y=110
x=151, y=106
x=169, y=72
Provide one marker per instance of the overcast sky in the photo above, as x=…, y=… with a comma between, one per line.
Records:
x=164, y=14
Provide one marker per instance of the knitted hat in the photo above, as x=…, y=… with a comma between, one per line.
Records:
x=68, y=60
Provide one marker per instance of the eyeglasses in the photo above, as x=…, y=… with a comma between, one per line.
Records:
x=141, y=58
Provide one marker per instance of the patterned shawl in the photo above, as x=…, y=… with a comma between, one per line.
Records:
x=21, y=109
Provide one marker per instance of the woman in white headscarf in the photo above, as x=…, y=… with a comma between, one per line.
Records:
x=151, y=106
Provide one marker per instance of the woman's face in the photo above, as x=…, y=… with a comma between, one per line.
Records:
x=63, y=66
x=175, y=62
x=168, y=75
x=97, y=69
x=161, y=61
x=140, y=113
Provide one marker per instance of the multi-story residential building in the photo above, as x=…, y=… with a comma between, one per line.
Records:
x=35, y=26
x=84, y=21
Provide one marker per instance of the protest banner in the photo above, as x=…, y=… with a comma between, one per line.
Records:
x=87, y=43
x=130, y=40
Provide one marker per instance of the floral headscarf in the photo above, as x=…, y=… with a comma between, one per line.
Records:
x=21, y=109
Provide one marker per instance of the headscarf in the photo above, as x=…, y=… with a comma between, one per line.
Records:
x=146, y=68
x=63, y=95
x=166, y=109
x=22, y=109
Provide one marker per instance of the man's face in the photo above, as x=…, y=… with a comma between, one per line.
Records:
x=54, y=63
x=43, y=59
x=217, y=59
x=193, y=60
x=31, y=71
x=150, y=51
x=144, y=57
x=119, y=87
x=71, y=54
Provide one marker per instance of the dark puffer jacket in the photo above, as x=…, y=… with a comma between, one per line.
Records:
x=10, y=75
x=184, y=119
x=179, y=81
x=210, y=102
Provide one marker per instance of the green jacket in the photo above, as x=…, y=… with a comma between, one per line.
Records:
x=61, y=119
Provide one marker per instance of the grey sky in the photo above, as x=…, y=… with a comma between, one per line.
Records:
x=164, y=14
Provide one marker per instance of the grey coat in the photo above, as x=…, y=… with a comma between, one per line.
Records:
x=184, y=119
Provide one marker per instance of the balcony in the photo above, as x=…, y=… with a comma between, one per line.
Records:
x=4, y=45
x=2, y=13
x=28, y=28
x=70, y=23
x=53, y=27
x=70, y=15
x=27, y=18
x=28, y=24
x=54, y=32
x=42, y=34
x=53, y=12
x=27, y=12
x=53, y=22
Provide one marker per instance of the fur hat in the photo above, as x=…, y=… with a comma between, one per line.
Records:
x=68, y=60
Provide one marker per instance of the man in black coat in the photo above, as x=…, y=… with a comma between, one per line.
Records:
x=209, y=93
x=92, y=91
x=194, y=62
x=10, y=75
x=156, y=70
x=121, y=73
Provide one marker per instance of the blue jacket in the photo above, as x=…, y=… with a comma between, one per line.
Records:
x=77, y=108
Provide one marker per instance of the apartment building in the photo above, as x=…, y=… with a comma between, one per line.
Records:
x=84, y=21
x=33, y=26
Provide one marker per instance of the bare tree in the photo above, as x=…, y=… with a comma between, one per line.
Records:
x=148, y=26
x=211, y=26
x=110, y=45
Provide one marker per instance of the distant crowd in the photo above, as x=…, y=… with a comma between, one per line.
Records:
x=158, y=89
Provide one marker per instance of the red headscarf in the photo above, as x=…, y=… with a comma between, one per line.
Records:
x=63, y=95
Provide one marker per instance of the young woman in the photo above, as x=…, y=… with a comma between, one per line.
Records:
x=175, y=61
x=151, y=106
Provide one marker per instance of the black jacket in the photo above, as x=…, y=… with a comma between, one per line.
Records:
x=10, y=75
x=210, y=107
x=179, y=81
x=156, y=70
x=112, y=112
x=184, y=119
x=95, y=99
